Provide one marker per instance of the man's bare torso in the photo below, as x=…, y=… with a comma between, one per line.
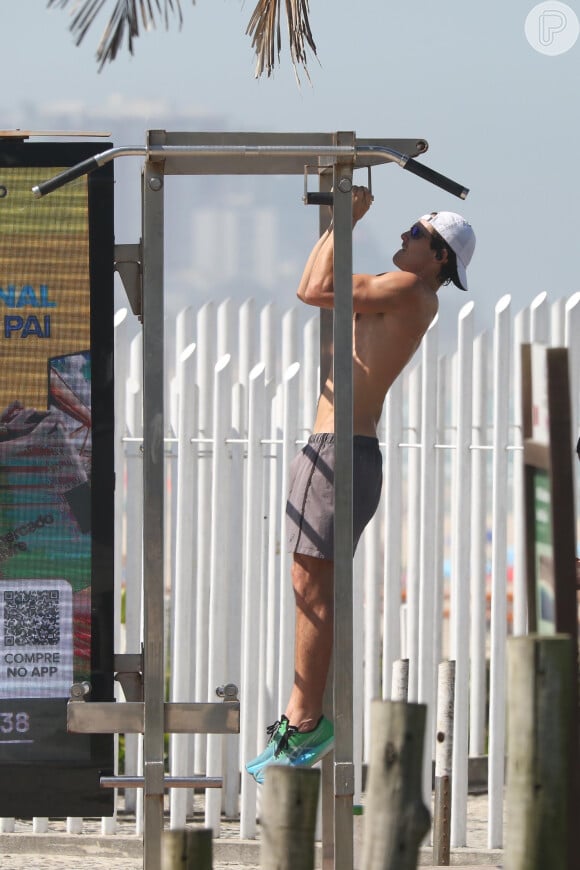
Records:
x=382, y=346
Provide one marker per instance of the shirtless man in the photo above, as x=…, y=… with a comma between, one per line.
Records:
x=392, y=312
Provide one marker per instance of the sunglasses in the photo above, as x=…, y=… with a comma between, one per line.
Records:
x=417, y=232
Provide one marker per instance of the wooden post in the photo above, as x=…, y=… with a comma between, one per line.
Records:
x=443, y=763
x=396, y=819
x=540, y=749
x=288, y=818
x=187, y=849
x=400, y=681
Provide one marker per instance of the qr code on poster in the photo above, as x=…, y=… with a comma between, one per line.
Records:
x=32, y=618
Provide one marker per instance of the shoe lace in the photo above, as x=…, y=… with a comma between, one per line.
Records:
x=283, y=742
x=271, y=729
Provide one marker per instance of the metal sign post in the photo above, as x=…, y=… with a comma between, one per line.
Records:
x=550, y=534
x=549, y=491
x=153, y=488
x=331, y=157
x=343, y=406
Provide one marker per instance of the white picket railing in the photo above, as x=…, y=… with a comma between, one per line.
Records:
x=439, y=572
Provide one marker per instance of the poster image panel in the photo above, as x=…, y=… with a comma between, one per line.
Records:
x=56, y=257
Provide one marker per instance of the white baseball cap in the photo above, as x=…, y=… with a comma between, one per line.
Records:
x=459, y=236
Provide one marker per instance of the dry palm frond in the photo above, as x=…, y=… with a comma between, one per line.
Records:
x=124, y=18
x=264, y=28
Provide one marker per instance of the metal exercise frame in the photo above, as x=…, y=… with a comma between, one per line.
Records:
x=333, y=157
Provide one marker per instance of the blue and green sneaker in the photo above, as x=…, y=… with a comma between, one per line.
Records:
x=275, y=733
x=290, y=747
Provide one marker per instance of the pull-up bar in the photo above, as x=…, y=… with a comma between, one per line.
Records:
x=361, y=153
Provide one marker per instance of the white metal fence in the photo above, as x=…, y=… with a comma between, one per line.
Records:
x=439, y=572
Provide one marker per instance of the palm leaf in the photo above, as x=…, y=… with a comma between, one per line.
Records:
x=124, y=21
x=264, y=28
x=128, y=15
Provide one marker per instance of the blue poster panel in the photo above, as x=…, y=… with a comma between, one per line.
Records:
x=56, y=477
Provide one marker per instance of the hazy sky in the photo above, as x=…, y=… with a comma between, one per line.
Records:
x=500, y=117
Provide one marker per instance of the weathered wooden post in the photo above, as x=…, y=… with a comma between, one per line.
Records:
x=288, y=818
x=443, y=762
x=545, y=790
x=187, y=849
x=400, y=680
x=540, y=743
x=396, y=819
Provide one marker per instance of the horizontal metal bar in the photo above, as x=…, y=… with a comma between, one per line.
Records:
x=128, y=662
x=161, y=151
x=454, y=446
x=127, y=717
x=217, y=718
x=300, y=443
x=168, y=781
x=127, y=439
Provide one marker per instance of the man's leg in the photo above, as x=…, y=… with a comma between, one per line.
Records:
x=303, y=736
x=312, y=580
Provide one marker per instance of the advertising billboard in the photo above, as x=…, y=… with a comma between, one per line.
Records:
x=56, y=477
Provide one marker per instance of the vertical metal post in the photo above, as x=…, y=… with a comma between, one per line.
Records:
x=343, y=426
x=153, y=460
x=327, y=780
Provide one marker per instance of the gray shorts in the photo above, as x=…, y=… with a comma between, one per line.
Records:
x=310, y=506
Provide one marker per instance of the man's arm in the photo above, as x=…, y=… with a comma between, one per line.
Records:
x=305, y=280
x=372, y=294
x=317, y=280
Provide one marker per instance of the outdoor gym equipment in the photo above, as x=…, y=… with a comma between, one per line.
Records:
x=333, y=157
